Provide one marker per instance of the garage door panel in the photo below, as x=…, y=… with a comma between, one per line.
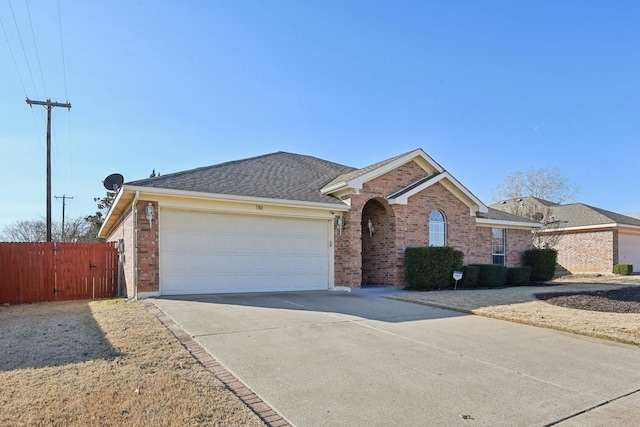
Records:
x=208, y=253
x=629, y=250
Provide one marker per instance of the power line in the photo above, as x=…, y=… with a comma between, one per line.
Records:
x=66, y=92
x=64, y=67
x=23, y=49
x=24, y=89
x=35, y=44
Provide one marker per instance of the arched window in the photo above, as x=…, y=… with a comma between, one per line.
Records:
x=437, y=229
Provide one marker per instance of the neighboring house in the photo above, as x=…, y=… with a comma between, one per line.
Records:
x=588, y=239
x=285, y=221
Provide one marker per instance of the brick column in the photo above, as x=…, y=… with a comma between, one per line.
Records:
x=147, y=261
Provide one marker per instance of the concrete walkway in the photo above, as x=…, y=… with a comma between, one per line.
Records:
x=331, y=358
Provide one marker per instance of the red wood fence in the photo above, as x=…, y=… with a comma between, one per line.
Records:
x=31, y=272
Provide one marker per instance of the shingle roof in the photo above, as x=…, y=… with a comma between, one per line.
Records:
x=280, y=175
x=581, y=215
x=572, y=215
x=498, y=215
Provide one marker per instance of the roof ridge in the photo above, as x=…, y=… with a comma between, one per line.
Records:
x=229, y=163
x=200, y=168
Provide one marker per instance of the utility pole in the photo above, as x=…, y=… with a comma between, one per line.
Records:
x=49, y=106
x=64, y=202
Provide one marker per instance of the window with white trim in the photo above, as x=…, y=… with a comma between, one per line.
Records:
x=498, y=245
x=437, y=229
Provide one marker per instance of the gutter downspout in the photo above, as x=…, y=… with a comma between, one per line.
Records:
x=135, y=245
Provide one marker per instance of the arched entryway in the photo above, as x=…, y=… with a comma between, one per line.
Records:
x=378, y=248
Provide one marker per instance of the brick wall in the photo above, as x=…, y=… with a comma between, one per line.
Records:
x=518, y=241
x=379, y=259
x=124, y=231
x=148, y=254
x=588, y=251
x=378, y=246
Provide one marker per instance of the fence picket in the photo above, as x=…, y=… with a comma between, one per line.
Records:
x=29, y=272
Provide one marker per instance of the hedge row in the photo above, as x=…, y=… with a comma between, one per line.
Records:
x=491, y=275
x=431, y=267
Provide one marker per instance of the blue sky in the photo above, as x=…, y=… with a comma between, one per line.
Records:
x=486, y=88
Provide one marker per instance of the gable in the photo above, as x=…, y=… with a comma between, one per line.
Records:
x=430, y=173
x=354, y=180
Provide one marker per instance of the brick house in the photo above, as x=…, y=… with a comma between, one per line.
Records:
x=588, y=239
x=285, y=221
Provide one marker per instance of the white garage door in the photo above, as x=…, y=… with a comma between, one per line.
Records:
x=629, y=250
x=219, y=253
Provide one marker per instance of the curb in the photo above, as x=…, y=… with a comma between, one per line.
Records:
x=267, y=414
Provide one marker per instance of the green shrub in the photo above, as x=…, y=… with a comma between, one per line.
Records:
x=542, y=263
x=470, y=276
x=624, y=269
x=431, y=267
x=518, y=276
x=492, y=275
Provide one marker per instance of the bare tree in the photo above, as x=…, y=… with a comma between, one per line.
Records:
x=75, y=230
x=25, y=231
x=543, y=183
x=533, y=194
x=542, y=211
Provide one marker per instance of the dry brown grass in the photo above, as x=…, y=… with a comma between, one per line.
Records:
x=104, y=363
x=519, y=304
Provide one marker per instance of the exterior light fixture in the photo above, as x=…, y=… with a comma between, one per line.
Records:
x=149, y=212
x=340, y=223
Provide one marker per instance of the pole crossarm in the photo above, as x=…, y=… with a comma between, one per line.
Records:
x=48, y=103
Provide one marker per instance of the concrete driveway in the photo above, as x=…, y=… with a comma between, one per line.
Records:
x=340, y=359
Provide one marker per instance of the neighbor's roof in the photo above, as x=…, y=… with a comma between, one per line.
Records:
x=574, y=214
x=505, y=217
x=581, y=215
x=280, y=175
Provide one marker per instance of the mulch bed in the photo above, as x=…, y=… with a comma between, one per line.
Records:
x=624, y=300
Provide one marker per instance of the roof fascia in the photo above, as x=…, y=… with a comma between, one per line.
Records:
x=108, y=218
x=151, y=191
x=357, y=182
x=485, y=222
x=595, y=227
x=335, y=187
x=471, y=200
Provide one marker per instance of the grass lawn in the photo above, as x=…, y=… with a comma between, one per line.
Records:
x=104, y=363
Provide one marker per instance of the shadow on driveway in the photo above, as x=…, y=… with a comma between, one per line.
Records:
x=333, y=358
x=351, y=306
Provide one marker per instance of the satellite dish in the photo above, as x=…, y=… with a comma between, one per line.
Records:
x=113, y=182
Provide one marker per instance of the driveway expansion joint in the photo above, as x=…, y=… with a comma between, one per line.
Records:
x=599, y=405
x=267, y=414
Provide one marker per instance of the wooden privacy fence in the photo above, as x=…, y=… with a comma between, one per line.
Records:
x=31, y=272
